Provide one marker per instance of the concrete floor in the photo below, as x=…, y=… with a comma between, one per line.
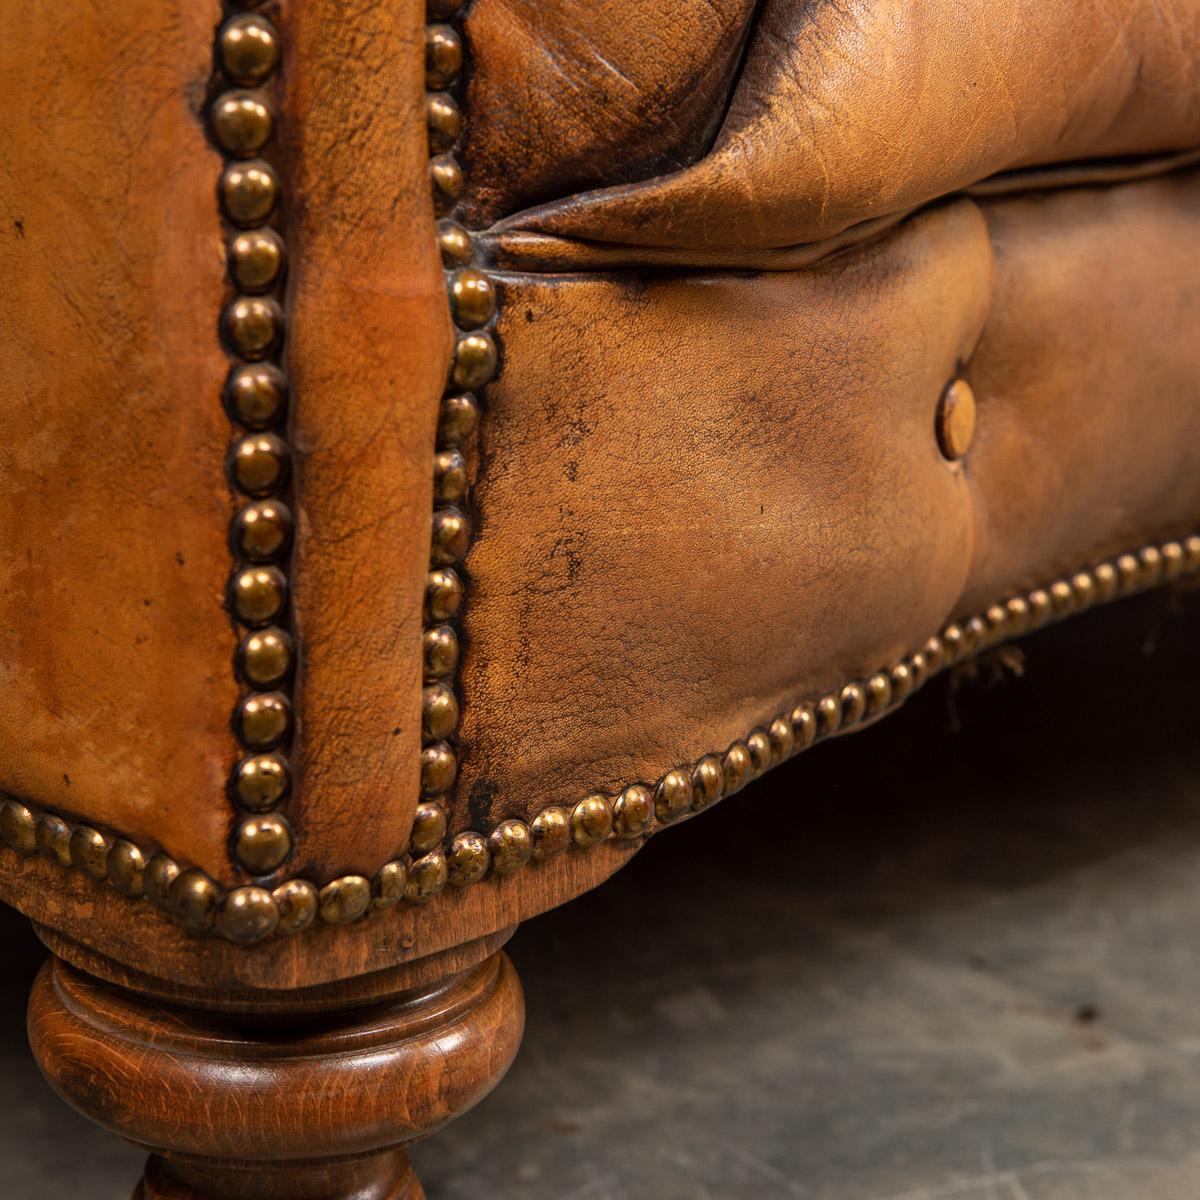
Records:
x=971, y=971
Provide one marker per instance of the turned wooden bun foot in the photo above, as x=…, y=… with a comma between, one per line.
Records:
x=310, y=1103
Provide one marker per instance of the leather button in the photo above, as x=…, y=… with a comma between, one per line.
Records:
x=956, y=420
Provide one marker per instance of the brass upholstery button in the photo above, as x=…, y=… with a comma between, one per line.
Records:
x=551, y=830
x=446, y=181
x=259, y=594
x=468, y=860
x=454, y=242
x=511, y=844
x=440, y=646
x=473, y=298
x=439, y=769
x=260, y=782
x=458, y=419
x=443, y=55
x=126, y=868
x=261, y=531
x=248, y=192
x=241, y=123
x=247, y=915
x=262, y=843
x=260, y=463
x=256, y=395
x=443, y=594
x=297, y=902
x=344, y=900
x=439, y=711
x=253, y=325
x=389, y=884
x=475, y=360
x=443, y=120
x=194, y=898
x=427, y=877
x=956, y=420
x=249, y=49
x=428, y=827
x=265, y=657
x=451, y=536
x=591, y=821
x=255, y=259
x=263, y=720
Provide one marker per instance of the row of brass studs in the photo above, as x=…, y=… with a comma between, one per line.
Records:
x=249, y=914
x=242, y=123
x=473, y=305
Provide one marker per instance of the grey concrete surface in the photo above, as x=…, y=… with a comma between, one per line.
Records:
x=954, y=956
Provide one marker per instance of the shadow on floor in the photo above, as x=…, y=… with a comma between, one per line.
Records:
x=952, y=956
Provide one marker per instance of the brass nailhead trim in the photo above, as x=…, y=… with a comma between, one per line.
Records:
x=474, y=300
x=439, y=860
x=243, y=123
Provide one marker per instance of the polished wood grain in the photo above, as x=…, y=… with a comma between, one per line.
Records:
x=294, y=1100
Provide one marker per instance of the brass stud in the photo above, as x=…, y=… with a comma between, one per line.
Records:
x=956, y=420
x=440, y=649
x=256, y=259
x=389, y=884
x=263, y=720
x=443, y=121
x=449, y=477
x=829, y=715
x=259, y=594
x=89, y=851
x=161, y=872
x=262, y=530
x=472, y=298
x=996, y=623
x=1083, y=586
x=444, y=593
x=249, y=191
x=902, y=682
x=439, y=768
x=736, y=770
x=428, y=827
x=446, y=183
x=262, y=843
x=511, y=845
x=19, y=827
x=454, y=242
x=458, y=420
x=259, y=463
x=344, y=900
x=591, y=821
x=759, y=746
x=1018, y=615
x=1191, y=553
x=468, y=860
x=783, y=740
x=1173, y=560
x=126, y=868
x=194, y=899
x=1128, y=570
x=1041, y=607
x=918, y=669
x=804, y=726
x=1151, y=565
x=443, y=56
x=878, y=692
x=1107, y=582
x=248, y=915
x=633, y=811
x=265, y=657
x=954, y=643
x=853, y=704
x=976, y=632
x=53, y=837
x=253, y=326
x=241, y=123
x=427, y=877
x=1061, y=598
x=551, y=832
x=249, y=49
x=297, y=902
x=708, y=782
x=256, y=395
x=475, y=360
x=673, y=796
x=934, y=654
x=451, y=536
x=439, y=711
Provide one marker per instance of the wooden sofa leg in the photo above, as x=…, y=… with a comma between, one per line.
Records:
x=303, y=1096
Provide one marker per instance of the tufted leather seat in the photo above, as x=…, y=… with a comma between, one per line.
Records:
x=534, y=419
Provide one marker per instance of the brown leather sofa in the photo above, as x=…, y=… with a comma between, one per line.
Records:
x=441, y=450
